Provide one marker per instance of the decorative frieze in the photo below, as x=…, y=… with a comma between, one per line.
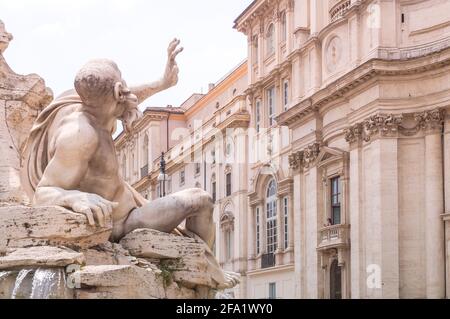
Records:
x=295, y=160
x=384, y=124
x=430, y=120
x=390, y=125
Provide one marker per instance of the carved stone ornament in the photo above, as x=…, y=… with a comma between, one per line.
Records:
x=386, y=125
x=306, y=157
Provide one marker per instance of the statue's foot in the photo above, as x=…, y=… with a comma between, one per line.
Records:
x=232, y=279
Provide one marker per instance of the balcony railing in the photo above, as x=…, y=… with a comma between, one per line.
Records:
x=334, y=236
x=144, y=171
x=338, y=8
x=268, y=260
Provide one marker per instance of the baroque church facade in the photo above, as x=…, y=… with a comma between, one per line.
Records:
x=327, y=151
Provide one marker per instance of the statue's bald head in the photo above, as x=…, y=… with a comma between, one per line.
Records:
x=96, y=80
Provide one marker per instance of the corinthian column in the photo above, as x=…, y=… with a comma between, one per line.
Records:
x=434, y=207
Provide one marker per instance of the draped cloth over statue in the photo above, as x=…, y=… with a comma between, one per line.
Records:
x=36, y=155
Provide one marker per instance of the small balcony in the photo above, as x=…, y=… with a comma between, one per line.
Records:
x=338, y=8
x=268, y=260
x=336, y=236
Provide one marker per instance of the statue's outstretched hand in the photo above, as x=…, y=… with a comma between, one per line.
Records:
x=96, y=208
x=171, y=74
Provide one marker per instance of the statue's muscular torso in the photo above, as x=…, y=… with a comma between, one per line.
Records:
x=102, y=176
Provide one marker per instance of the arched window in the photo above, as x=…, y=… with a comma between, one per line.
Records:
x=283, y=26
x=271, y=217
x=228, y=181
x=270, y=40
x=227, y=227
x=255, y=52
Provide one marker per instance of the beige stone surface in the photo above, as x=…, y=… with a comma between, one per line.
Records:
x=123, y=281
x=23, y=226
x=184, y=257
x=149, y=243
x=42, y=256
x=108, y=254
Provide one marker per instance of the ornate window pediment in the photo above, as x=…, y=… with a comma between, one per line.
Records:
x=329, y=155
x=315, y=154
x=227, y=221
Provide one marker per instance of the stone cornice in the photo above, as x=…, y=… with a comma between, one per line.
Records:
x=393, y=125
x=368, y=71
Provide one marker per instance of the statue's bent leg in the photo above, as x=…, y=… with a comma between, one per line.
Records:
x=165, y=214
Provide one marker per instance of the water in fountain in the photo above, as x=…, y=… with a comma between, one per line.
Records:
x=20, y=284
x=223, y=295
x=45, y=281
x=41, y=283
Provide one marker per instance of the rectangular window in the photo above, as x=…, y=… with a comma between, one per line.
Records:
x=336, y=200
x=228, y=183
x=228, y=245
x=258, y=247
x=258, y=116
x=286, y=222
x=214, y=191
x=271, y=226
x=197, y=168
x=283, y=26
x=255, y=49
x=271, y=105
x=272, y=290
x=182, y=177
x=213, y=156
x=285, y=94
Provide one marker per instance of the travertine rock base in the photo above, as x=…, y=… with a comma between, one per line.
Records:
x=22, y=226
x=37, y=263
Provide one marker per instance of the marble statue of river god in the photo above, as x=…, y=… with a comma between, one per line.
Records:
x=70, y=161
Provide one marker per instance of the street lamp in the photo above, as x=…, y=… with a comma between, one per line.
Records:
x=162, y=176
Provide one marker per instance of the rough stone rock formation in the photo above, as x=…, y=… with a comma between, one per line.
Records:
x=43, y=256
x=145, y=264
x=21, y=99
x=22, y=226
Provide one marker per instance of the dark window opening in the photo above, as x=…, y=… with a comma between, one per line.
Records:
x=336, y=200
x=228, y=182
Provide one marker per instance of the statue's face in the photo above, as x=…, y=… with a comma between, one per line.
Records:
x=127, y=106
x=5, y=38
x=125, y=99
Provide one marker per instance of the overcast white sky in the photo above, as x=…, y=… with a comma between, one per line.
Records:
x=53, y=38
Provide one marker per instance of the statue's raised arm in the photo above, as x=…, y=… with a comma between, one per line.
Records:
x=169, y=79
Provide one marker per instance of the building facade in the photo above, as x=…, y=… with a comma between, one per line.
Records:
x=334, y=173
